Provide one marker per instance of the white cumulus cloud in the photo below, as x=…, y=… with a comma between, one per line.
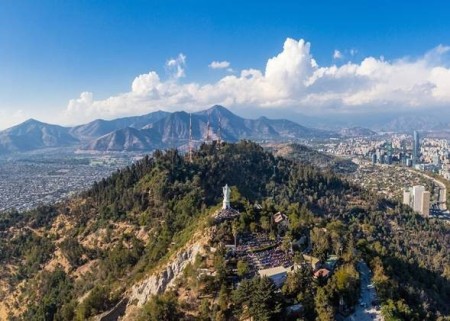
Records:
x=291, y=79
x=337, y=54
x=176, y=66
x=219, y=64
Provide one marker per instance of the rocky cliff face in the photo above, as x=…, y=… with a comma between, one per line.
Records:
x=156, y=283
x=160, y=281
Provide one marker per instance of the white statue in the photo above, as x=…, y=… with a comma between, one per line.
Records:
x=226, y=197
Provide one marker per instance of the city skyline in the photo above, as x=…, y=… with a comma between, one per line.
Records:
x=70, y=63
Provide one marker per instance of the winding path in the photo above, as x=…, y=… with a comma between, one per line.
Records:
x=365, y=311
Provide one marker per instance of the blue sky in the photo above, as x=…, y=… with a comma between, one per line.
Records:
x=53, y=51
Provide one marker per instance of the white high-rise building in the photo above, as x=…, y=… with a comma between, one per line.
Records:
x=417, y=197
x=407, y=197
x=425, y=210
x=416, y=147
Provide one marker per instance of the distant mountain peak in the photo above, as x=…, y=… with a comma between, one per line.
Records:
x=217, y=109
x=180, y=112
x=33, y=134
x=32, y=121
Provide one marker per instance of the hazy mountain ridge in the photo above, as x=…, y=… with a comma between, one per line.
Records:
x=174, y=129
x=382, y=122
x=356, y=132
x=409, y=123
x=154, y=130
x=307, y=155
x=33, y=134
x=100, y=127
x=126, y=139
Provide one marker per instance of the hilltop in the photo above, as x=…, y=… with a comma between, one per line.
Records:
x=145, y=241
x=34, y=134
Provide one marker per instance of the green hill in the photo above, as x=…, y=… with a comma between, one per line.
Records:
x=80, y=258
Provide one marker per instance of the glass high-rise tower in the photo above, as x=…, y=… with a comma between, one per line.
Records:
x=416, y=147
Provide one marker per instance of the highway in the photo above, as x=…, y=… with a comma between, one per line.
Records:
x=365, y=310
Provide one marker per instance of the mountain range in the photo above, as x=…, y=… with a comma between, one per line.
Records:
x=154, y=130
x=398, y=122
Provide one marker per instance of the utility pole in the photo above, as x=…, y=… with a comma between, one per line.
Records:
x=208, y=126
x=172, y=145
x=274, y=175
x=190, y=137
x=219, y=133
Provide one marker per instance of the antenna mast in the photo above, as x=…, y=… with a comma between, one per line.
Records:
x=172, y=147
x=219, y=132
x=190, y=137
x=208, y=126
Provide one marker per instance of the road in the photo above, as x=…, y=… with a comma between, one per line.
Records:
x=439, y=210
x=442, y=201
x=365, y=311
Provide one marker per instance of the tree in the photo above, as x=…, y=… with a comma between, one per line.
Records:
x=349, y=255
x=324, y=309
x=265, y=224
x=223, y=300
x=242, y=268
x=161, y=308
x=234, y=228
x=97, y=301
x=299, y=259
x=257, y=298
x=242, y=296
x=220, y=264
x=300, y=281
x=266, y=304
x=397, y=310
x=286, y=244
x=320, y=241
x=345, y=282
x=380, y=279
x=204, y=311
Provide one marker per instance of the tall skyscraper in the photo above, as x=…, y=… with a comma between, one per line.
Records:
x=374, y=158
x=425, y=210
x=436, y=159
x=416, y=147
x=407, y=197
x=418, y=198
x=388, y=146
x=417, y=192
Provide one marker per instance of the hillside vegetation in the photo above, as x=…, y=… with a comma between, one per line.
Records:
x=77, y=259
